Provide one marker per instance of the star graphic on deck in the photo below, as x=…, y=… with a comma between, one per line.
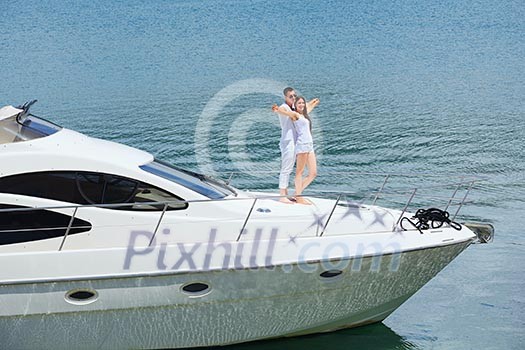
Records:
x=352, y=211
x=378, y=218
x=291, y=239
x=318, y=221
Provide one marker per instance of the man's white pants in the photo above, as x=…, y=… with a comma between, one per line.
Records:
x=287, y=163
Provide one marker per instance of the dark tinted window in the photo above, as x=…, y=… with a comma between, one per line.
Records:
x=209, y=187
x=120, y=190
x=34, y=225
x=89, y=188
x=53, y=185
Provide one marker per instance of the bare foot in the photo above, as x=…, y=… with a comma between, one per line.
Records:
x=302, y=200
x=285, y=200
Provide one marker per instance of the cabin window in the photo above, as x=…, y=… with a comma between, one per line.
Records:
x=91, y=188
x=22, y=224
x=202, y=184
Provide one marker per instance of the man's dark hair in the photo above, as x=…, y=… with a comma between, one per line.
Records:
x=287, y=90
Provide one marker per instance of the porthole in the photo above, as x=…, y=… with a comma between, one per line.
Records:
x=331, y=274
x=81, y=296
x=196, y=289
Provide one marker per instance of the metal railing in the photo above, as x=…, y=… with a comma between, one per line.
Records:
x=466, y=183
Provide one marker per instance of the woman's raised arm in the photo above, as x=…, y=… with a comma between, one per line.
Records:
x=310, y=105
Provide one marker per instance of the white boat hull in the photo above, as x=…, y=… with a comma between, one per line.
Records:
x=102, y=246
x=243, y=305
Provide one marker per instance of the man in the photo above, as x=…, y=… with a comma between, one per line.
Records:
x=287, y=142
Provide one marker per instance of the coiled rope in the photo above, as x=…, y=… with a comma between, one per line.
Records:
x=435, y=216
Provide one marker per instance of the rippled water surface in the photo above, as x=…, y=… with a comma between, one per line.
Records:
x=405, y=86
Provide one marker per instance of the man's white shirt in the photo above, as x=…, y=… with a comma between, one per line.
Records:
x=288, y=134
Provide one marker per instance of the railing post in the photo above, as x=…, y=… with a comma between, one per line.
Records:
x=463, y=200
x=380, y=190
x=158, y=223
x=406, y=207
x=247, y=218
x=330, y=216
x=230, y=178
x=454, y=194
x=68, y=229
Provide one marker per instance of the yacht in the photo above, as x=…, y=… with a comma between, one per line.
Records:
x=104, y=246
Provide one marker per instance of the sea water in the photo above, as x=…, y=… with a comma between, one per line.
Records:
x=406, y=87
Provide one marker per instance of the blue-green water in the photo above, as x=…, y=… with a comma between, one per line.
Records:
x=405, y=86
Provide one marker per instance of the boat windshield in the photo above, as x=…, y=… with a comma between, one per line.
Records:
x=32, y=128
x=202, y=184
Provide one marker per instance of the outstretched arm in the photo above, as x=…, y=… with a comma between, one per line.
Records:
x=312, y=104
x=291, y=114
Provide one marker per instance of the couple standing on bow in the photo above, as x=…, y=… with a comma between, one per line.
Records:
x=296, y=144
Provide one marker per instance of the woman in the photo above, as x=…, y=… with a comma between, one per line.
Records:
x=304, y=147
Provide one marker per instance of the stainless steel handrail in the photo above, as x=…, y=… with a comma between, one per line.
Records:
x=330, y=216
x=464, y=200
x=68, y=228
x=453, y=196
x=379, y=194
x=116, y=205
x=405, y=208
x=380, y=190
x=311, y=193
x=416, y=174
x=158, y=224
x=246, y=220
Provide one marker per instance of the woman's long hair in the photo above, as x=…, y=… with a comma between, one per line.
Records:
x=305, y=111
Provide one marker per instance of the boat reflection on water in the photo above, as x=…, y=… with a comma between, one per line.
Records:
x=374, y=336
